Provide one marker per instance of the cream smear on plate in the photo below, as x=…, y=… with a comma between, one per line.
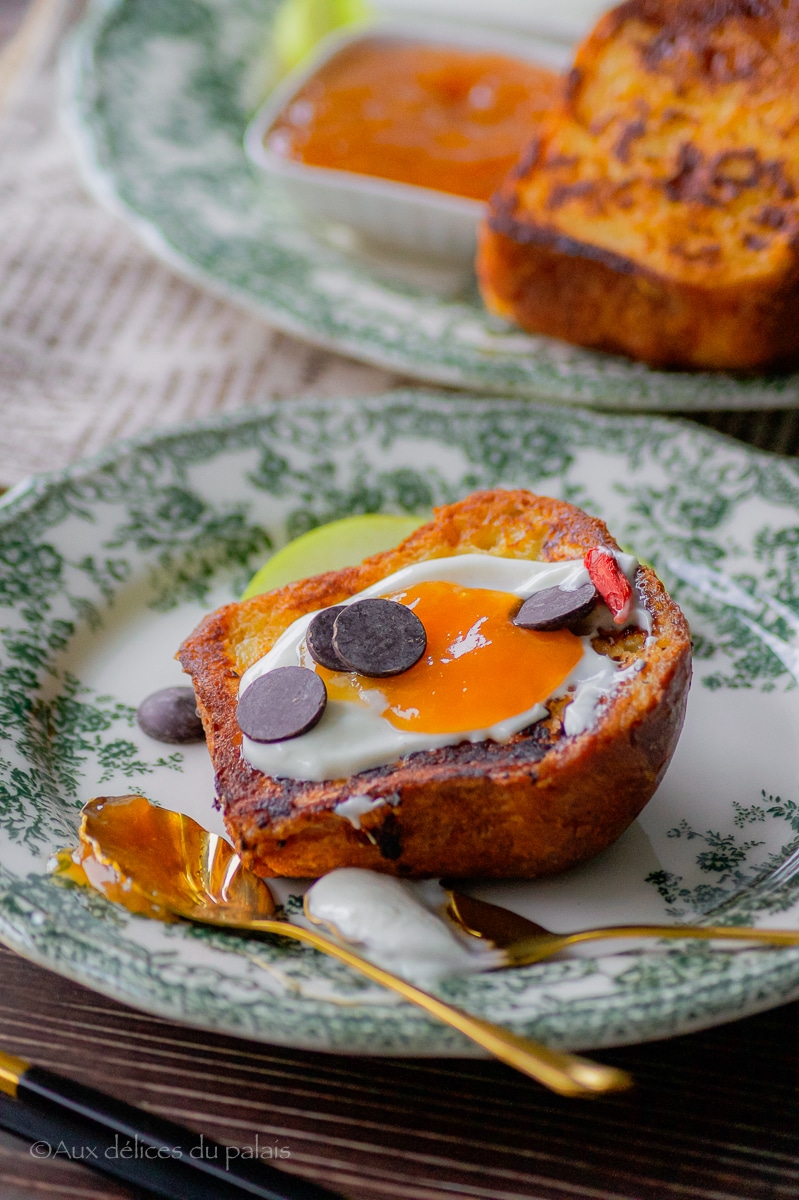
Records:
x=354, y=737
x=388, y=921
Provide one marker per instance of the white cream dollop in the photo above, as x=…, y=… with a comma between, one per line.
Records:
x=382, y=917
x=352, y=737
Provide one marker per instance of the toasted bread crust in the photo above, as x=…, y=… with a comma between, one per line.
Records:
x=532, y=806
x=657, y=213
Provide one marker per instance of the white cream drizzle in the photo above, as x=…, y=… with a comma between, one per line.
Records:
x=351, y=737
x=383, y=918
x=357, y=806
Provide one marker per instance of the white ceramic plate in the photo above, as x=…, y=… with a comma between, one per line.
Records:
x=105, y=568
x=159, y=98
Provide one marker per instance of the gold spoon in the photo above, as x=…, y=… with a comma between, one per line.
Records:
x=164, y=865
x=522, y=941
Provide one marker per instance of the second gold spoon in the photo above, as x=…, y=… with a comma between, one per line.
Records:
x=523, y=942
x=163, y=864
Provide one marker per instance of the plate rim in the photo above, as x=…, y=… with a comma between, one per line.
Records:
x=119, y=447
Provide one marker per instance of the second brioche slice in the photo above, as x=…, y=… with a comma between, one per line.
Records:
x=657, y=212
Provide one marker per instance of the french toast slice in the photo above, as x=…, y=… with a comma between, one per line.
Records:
x=531, y=806
x=657, y=212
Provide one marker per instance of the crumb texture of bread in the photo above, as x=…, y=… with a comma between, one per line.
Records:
x=532, y=806
x=657, y=212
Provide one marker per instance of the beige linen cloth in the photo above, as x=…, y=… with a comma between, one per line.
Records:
x=98, y=340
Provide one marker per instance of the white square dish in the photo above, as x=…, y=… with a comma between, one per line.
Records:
x=419, y=221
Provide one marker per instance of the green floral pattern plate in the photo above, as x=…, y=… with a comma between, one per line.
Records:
x=159, y=96
x=104, y=568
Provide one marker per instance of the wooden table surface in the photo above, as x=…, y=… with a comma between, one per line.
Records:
x=714, y=1115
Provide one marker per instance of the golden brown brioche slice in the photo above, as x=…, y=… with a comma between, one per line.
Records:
x=534, y=805
x=656, y=214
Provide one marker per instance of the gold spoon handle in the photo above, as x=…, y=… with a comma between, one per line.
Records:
x=538, y=948
x=567, y=1074
x=738, y=933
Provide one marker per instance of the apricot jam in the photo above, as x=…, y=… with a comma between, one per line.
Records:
x=478, y=668
x=439, y=117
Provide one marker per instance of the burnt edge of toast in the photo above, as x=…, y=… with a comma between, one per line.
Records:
x=502, y=218
x=692, y=15
x=278, y=797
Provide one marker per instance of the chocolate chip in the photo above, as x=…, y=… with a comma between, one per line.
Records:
x=171, y=716
x=379, y=637
x=556, y=608
x=281, y=704
x=319, y=639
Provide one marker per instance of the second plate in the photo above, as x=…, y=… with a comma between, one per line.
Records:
x=159, y=98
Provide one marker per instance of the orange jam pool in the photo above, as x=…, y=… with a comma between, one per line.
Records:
x=438, y=117
x=478, y=669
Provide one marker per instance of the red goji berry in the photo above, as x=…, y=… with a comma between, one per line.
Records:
x=611, y=583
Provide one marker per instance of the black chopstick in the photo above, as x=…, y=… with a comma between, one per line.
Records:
x=69, y=1120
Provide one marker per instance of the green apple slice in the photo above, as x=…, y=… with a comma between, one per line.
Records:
x=330, y=547
x=300, y=24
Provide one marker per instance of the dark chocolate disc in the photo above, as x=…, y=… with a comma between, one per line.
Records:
x=379, y=637
x=556, y=608
x=319, y=639
x=171, y=716
x=281, y=704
